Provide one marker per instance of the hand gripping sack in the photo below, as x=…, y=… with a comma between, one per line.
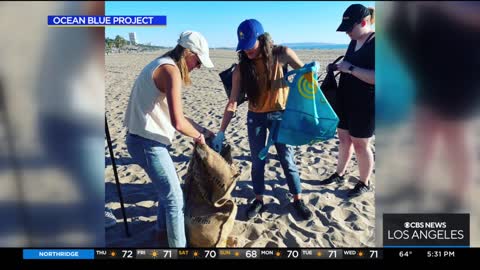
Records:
x=308, y=117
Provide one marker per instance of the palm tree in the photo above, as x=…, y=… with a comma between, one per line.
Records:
x=119, y=41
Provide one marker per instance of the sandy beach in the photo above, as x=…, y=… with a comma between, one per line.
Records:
x=337, y=222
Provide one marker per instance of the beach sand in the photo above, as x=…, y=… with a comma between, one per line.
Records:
x=337, y=222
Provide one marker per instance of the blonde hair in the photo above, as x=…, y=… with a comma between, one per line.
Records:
x=178, y=55
x=372, y=15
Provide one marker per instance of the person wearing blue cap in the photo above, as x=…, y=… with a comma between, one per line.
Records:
x=355, y=98
x=260, y=74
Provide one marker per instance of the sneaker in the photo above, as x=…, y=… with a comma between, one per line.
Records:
x=302, y=209
x=110, y=219
x=358, y=190
x=334, y=178
x=254, y=208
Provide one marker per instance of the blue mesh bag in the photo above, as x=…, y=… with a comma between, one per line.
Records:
x=308, y=117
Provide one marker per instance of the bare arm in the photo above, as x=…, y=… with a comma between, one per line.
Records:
x=366, y=75
x=232, y=102
x=203, y=130
x=291, y=58
x=171, y=84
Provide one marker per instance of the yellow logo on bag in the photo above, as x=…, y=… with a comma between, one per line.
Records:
x=241, y=35
x=307, y=86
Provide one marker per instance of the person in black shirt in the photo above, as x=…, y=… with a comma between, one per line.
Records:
x=355, y=103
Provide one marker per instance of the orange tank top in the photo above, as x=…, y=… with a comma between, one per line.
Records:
x=273, y=98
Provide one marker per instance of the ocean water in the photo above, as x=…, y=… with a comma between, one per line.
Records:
x=304, y=47
x=319, y=47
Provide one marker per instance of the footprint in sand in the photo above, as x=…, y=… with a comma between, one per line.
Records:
x=303, y=231
x=331, y=237
x=253, y=233
x=314, y=200
x=293, y=239
x=328, y=211
x=358, y=227
x=272, y=244
x=325, y=220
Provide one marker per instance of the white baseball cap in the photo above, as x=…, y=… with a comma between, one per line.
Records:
x=196, y=43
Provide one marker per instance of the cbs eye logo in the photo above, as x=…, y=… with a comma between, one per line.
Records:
x=413, y=225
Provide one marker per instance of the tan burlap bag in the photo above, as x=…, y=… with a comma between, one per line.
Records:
x=209, y=210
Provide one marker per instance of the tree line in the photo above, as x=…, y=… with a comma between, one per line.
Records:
x=118, y=42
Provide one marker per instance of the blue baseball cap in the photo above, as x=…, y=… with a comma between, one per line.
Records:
x=248, y=32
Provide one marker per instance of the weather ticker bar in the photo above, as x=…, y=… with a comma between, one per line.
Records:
x=238, y=254
x=386, y=253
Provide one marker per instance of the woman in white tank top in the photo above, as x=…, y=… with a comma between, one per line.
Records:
x=153, y=115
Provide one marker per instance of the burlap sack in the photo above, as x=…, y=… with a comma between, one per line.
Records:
x=209, y=210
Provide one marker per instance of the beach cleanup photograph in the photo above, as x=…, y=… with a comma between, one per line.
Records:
x=240, y=130
x=229, y=128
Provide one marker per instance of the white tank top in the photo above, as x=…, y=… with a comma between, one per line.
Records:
x=147, y=112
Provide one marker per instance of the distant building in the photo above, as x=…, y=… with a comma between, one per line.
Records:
x=133, y=38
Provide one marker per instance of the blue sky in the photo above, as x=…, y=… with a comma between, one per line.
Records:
x=287, y=22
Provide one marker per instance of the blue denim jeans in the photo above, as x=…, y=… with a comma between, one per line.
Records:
x=154, y=158
x=258, y=124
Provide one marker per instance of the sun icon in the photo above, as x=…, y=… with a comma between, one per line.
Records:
x=278, y=254
x=154, y=254
x=309, y=76
x=195, y=254
x=307, y=86
x=237, y=254
x=113, y=254
x=319, y=254
x=360, y=254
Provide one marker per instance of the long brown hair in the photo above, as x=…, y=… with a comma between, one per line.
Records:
x=249, y=78
x=178, y=55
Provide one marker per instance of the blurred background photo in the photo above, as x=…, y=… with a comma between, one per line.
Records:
x=52, y=127
x=427, y=110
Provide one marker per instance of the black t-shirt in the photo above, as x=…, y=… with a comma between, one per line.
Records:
x=352, y=87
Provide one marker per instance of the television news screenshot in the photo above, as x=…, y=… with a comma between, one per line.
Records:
x=227, y=131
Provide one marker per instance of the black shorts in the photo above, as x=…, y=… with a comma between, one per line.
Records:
x=356, y=112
